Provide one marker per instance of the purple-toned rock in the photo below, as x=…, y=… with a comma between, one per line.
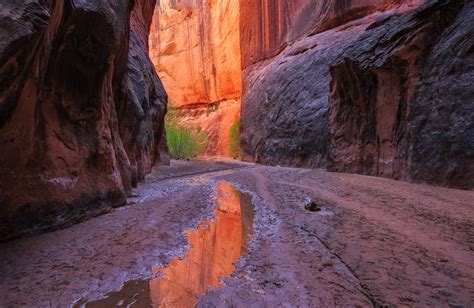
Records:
x=374, y=87
x=401, y=105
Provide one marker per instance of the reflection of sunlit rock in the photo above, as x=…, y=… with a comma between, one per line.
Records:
x=215, y=246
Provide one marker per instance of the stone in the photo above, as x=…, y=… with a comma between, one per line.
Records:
x=400, y=106
x=195, y=47
x=347, y=88
x=311, y=205
x=81, y=110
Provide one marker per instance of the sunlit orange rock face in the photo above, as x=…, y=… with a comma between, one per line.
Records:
x=215, y=246
x=195, y=46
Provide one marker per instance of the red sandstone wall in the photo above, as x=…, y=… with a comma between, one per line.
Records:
x=81, y=110
x=195, y=46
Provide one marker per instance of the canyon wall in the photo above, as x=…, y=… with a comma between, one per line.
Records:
x=195, y=46
x=372, y=87
x=401, y=105
x=81, y=109
x=268, y=26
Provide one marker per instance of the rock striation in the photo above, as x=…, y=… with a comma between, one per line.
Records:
x=401, y=105
x=269, y=26
x=81, y=109
x=372, y=87
x=195, y=46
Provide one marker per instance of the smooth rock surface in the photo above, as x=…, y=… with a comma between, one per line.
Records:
x=195, y=46
x=268, y=26
x=81, y=110
x=352, y=94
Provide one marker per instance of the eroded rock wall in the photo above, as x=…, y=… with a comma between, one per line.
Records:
x=195, y=46
x=356, y=87
x=81, y=110
x=441, y=118
x=383, y=100
x=268, y=26
x=286, y=56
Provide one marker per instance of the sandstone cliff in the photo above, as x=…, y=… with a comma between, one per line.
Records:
x=373, y=87
x=81, y=109
x=379, y=87
x=401, y=105
x=268, y=26
x=195, y=46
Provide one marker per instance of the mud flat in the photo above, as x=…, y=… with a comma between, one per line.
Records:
x=376, y=241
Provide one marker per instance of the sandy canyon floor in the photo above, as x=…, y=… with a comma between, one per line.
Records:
x=243, y=230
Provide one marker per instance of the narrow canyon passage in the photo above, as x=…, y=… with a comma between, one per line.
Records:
x=236, y=153
x=375, y=242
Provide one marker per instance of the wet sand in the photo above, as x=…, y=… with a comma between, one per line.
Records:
x=375, y=242
x=214, y=247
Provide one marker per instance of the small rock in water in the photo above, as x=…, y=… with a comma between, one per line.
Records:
x=311, y=205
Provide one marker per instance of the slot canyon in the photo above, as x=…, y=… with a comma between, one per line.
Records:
x=235, y=153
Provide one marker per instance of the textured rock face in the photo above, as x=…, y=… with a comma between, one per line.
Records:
x=268, y=26
x=399, y=106
x=284, y=107
x=216, y=119
x=441, y=131
x=195, y=46
x=351, y=93
x=81, y=109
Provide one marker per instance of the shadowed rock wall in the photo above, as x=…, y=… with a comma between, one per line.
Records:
x=81, y=109
x=391, y=115
x=441, y=118
x=268, y=26
x=360, y=86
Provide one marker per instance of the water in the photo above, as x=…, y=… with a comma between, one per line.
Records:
x=215, y=246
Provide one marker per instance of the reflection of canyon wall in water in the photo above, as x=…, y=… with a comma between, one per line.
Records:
x=215, y=246
x=195, y=47
x=369, y=86
x=81, y=109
